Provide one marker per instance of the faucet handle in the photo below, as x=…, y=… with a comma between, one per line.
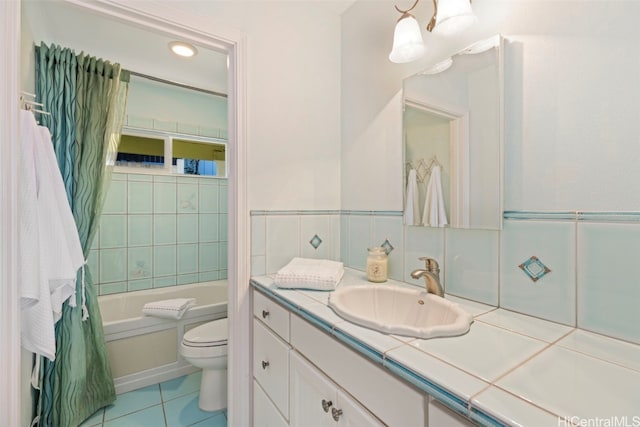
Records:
x=430, y=264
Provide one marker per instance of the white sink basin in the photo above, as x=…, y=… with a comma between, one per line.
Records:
x=402, y=311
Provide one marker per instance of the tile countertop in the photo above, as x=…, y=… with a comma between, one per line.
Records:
x=509, y=369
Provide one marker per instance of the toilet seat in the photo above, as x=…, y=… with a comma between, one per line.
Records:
x=210, y=334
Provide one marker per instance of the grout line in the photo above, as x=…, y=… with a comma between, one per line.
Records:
x=446, y=362
x=524, y=334
x=576, y=272
x=593, y=356
x=527, y=401
x=528, y=359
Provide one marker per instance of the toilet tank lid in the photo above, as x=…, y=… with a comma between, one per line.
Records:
x=210, y=332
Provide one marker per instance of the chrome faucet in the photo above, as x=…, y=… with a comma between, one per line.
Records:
x=431, y=275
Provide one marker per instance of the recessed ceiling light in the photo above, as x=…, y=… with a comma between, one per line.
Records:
x=182, y=49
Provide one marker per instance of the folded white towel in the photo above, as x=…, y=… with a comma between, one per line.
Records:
x=169, y=309
x=434, y=214
x=305, y=273
x=411, y=208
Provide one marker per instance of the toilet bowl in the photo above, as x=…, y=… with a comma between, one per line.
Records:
x=205, y=347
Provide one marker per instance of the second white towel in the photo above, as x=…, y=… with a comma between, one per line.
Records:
x=434, y=214
x=168, y=309
x=412, y=208
x=305, y=273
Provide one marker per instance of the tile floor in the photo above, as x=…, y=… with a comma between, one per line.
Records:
x=173, y=403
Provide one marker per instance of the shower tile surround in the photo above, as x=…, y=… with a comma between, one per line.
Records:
x=160, y=230
x=591, y=282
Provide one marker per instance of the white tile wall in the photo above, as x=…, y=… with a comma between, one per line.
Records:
x=282, y=241
x=359, y=238
x=608, y=291
x=471, y=264
x=390, y=228
x=552, y=297
x=278, y=237
x=422, y=242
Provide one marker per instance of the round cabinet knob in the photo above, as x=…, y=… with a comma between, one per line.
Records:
x=265, y=314
x=326, y=404
x=335, y=413
x=265, y=364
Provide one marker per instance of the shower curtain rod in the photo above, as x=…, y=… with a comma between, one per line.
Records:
x=182, y=85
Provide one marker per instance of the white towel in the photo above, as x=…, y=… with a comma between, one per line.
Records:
x=434, y=214
x=49, y=250
x=305, y=273
x=412, y=208
x=60, y=251
x=168, y=309
x=28, y=240
x=37, y=327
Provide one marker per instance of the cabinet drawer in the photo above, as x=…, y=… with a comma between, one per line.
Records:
x=271, y=365
x=272, y=314
x=265, y=413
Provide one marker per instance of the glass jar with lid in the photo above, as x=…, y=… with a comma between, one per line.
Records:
x=377, y=265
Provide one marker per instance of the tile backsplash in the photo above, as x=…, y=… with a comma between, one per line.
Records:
x=279, y=236
x=584, y=265
x=160, y=230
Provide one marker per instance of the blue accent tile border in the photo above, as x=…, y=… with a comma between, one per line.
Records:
x=323, y=212
x=574, y=216
x=482, y=419
x=455, y=403
x=293, y=212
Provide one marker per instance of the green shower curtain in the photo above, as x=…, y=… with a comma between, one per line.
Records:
x=86, y=97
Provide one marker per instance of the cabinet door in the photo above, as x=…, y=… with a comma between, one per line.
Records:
x=265, y=413
x=351, y=414
x=311, y=394
x=317, y=402
x=271, y=365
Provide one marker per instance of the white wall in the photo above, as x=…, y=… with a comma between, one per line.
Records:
x=293, y=56
x=572, y=100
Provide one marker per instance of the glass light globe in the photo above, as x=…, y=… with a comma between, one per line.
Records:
x=407, y=40
x=454, y=16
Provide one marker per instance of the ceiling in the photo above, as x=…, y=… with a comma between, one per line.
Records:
x=136, y=49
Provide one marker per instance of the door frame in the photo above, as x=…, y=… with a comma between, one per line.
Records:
x=157, y=17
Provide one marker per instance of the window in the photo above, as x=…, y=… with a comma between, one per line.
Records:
x=173, y=153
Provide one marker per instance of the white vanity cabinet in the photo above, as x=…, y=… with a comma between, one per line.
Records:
x=318, y=401
x=297, y=366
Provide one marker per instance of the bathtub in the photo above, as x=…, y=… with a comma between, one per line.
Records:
x=143, y=350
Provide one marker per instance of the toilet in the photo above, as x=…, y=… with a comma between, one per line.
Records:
x=205, y=347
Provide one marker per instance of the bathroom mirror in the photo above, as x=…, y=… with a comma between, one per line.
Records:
x=453, y=140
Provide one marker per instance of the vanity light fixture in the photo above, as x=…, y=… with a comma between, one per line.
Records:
x=183, y=49
x=449, y=17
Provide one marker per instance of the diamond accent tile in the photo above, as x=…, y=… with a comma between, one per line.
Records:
x=387, y=246
x=315, y=241
x=534, y=268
